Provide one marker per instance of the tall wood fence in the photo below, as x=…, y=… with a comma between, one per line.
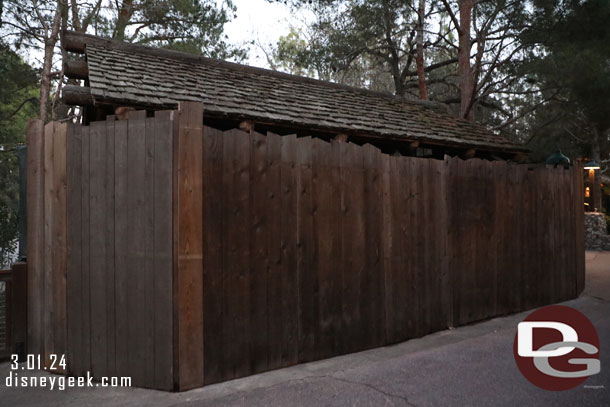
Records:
x=194, y=255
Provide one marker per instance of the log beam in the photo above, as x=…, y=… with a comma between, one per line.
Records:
x=413, y=146
x=73, y=43
x=342, y=137
x=76, y=69
x=468, y=154
x=73, y=95
x=519, y=157
x=247, y=125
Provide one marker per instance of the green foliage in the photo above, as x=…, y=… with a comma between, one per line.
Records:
x=18, y=103
x=570, y=58
x=194, y=26
x=356, y=42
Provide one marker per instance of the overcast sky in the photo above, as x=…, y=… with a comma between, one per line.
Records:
x=263, y=22
x=257, y=20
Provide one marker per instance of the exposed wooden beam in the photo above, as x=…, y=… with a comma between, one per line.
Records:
x=519, y=157
x=76, y=69
x=73, y=95
x=73, y=43
x=468, y=154
x=413, y=146
x=341, y=137
x=247, y=125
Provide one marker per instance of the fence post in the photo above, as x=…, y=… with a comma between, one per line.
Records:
x=188, y=247
x=46, y=236
x=35, y=233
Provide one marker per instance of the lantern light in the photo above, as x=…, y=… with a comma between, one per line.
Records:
x=591, y=165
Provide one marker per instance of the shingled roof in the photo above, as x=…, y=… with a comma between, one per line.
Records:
x=127, y=74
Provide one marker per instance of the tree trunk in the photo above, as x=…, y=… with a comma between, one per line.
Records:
x=464, y=70
x=47, y=65
x=124, y=15
x=419, y=60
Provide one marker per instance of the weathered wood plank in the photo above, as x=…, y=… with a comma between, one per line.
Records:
x=326, y=221
x=98, y=259
x=236, y=179
x=47, y=274
x=74, y=295
x=213, y=272
x=109, y=221
x=386, y=246
x=274, y=248
x=124, y=275
x=59, y=242
x=35, y=233
x=136, y=251
x=308, y=305
x=353, y=254
x=85, y=250
x=258, y=229
x=371, y=281
x=147, y=273
x=188, y=213
x=288, y=214
x=503, y=262
x=397, y=270
x=162, y=249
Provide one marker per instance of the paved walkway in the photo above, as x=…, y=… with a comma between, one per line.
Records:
x=597, y=283
x=467, y=366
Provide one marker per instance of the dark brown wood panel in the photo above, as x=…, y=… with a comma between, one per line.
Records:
x=259, y=259
x=74, y=295
x=108, y=232
x=59, y=239
x=353, y=241
x=372, y=310
x=188, y=256
x=289, y=275
x=196, y=256
x=35, y=233
x=97, y=249
x=213, y=232
x=162, y=254
x=123, y=280
x=274, y=248
x=327, y=240
x=308, y=299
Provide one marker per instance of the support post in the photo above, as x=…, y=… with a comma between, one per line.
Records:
x=35, y=233
x=188, y=247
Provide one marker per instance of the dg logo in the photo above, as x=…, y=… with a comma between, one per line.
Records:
x=557, y=348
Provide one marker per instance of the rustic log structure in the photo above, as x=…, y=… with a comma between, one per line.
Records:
x=273, y=220
x=181, y=255
x=120, y=74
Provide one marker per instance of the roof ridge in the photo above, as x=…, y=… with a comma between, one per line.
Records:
x=198, y=59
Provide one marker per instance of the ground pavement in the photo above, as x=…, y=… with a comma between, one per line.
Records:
x=468, y=366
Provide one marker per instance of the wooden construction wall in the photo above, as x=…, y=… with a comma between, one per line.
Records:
x=182, y=255
x=314, y=249
x=101, y=289
x=120, y=258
